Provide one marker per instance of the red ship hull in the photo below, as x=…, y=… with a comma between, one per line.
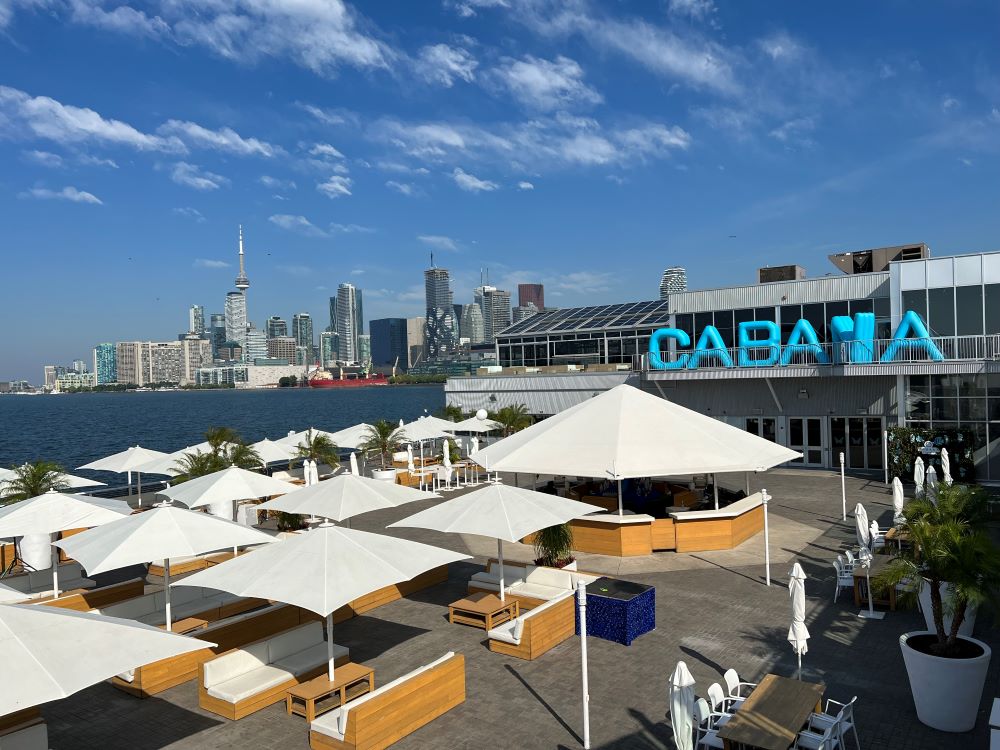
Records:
x=372, y=380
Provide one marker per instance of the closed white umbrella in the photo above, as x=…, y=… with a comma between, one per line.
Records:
x=897, y=500
x=226, y=486
x=862, y=529
x=946, y=467
x=271, y=452
x=409, y=459
x=798, y=633
x=314, y=470
x=160, y=533
x=323, y=569
x=126, y=462
x=345, y=496
x=446, y=454
x=475, y=446
x=354, y=464
x=932, y=484
x=53, y=512
x=499, y=511
x=918, y=476
x=682, y=707
x=50, y=653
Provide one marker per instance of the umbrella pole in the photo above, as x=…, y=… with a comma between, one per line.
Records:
x=500, y=557
x=746, y=477
x=581, y=599
x=55, y=569
x=885, y=455
x=800, y=667
x=765, y=498
x=329, y=646
x=129, y=480
x=138, y=475
x=715, y=490
x=621, y=506
x=843, y=489
x=166, y=588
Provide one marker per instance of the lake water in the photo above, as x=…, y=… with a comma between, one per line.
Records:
x=75, y=429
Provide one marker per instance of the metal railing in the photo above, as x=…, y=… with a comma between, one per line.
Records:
x=952, y=348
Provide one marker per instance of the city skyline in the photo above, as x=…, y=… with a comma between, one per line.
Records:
x=586, y=147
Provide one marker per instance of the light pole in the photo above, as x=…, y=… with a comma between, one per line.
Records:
x=765, y=499
x=581, y=603
x=843, y=488
x=885, y=454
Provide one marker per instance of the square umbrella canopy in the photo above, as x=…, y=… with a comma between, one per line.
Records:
x=351, y=437
x=160, y=533
x=474, y=424
x=50, y=653
x=271, y=452
x=499, y=511
x=167, y=465
x=72, y=481
x=126, y=462
x=294, y=439
x=323, y=569
x=227, y=485
x=345, y=496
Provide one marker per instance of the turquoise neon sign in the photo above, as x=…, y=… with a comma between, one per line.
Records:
x=759, y=344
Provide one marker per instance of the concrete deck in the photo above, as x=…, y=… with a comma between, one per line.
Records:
x=713, y=611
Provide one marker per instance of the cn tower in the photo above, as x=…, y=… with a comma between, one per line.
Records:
x=242, y=282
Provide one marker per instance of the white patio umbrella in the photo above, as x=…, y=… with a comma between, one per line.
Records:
x=682, y=707
x=409, y=459
x=295, y=439
x=168, y=464
x=271, y=452
x=160, y=533
x=474, y=424
x=932, y=484
x=918, y=476
x=345, y=496
x=53, y=512
x=351, y=437
x=126, y=462
x=354, y=464
x=798, y=633
x=499, y=511
x=475, y=446
x=51, y=653
x=314, y=471
x=323, y=569
x=897, y=500
x=861, y=527
x=226, y=486
x=946, y=467
x=71, y=481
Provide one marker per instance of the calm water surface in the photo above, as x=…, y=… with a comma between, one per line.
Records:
x=74, y=429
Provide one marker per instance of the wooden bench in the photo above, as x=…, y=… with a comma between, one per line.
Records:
x=85, y=600
x=378, y=719
x=536, y=631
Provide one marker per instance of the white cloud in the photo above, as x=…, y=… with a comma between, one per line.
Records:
x=439, y=242
x=699, y=10
x=193, y=176
x=471, y=183
x=396, y=167
x=442, y=64
x=652, y=140
x=795, y=130
x=739, y=123
x=949, y=103
x=299, y=224
x=965, y=162
x=467, y=8
x=335, y=187
x=68, y=193
x=122, y=19
x=275, y=183
x=886, y=71
x=780, y=46
x=406, y=188
x=96, y=161
x=327, y=116
x=546, y=84
x=326, y=151
x=357, y=272
x=224, y=139
x=583, y=282
x=190, y=213
x=525, y=185
x=209, y=263
x=43, y=117
x=995, y=114
x=351, y=229
x=44, y=159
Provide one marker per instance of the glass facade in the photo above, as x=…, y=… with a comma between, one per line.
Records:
x=105, y=364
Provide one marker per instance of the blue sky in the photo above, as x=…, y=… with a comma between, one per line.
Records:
x=582, y=144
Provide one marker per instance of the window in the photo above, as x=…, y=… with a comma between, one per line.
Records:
x=941, y=311
x=817, y=317
x=969, y=310
x=834, y=309
x=916, y=300
x=862, y=306
x=992, y=295
x=790, y=315
x=764, y=313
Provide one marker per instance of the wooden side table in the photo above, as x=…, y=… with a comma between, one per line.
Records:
x=318, y=695
x=483, y=610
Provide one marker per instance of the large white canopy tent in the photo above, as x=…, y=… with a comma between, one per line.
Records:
x=345, y=496
x=126, y=462
x=160, y=533
x=50, y=653
x=323, y=569
x=627, y=433
x=53, y=512
x=220, y=489
x=501, y=512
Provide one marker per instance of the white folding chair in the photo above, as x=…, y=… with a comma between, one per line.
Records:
x=736, y=688
x=828, y=740
x=851, y=561
x=443, y=474
x=844, y=717
x=706, y=726
x=878, y=536
x=717, y=699
x=844, y=578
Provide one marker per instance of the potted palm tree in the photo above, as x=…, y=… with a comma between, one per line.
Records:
x=553, y=546
x=32, y=480
x=384, y=438
x=954, y=565
x=319, y=448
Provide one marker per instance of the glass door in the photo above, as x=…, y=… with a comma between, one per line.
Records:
x=765, y=427
x=805, y=434
x=860, y=440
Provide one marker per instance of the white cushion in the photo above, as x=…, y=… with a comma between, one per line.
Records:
x=554, y=577
x=35, y=737
x=512, y=572
x=229, y=666
x=547, y=605
x=518, y=630
x=488, y=585
x=310, y=658
x=535, y=591
x=294, y=640
x=249, y=684
x=130, y=609
x=508, y=632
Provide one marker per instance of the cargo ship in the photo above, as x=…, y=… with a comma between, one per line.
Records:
x=326, y=379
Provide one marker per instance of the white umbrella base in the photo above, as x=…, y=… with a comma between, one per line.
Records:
x=866, y=615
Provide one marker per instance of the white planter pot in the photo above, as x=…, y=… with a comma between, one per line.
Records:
x=384, y=475
x=36, y=551
x=946, y=692
x=946, y=596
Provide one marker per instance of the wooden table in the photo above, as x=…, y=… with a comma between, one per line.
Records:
x=319, y=695
x=483, y=611
x=186, y=625
x=879, y=564
x=773, y=715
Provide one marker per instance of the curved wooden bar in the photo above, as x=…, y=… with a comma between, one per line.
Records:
x=704, y=530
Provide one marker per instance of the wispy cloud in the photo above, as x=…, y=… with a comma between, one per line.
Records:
x=795, y=130
x=781, y=46
x=299, y=224
x=325, y=150
x=444, y=65
x=88, y=160
x=470, y=183
x=525, y=185
x=193, y=176
x=68, y=193
x=189, y=213
x=351, y=229
x=328, y=116
x=336, y=187
x=296, y=270
x=210, y=263
x=438, y=242
x=404, y=188
x=545, y=84
x=275, y=183
x=44, y=159
x=224, y=139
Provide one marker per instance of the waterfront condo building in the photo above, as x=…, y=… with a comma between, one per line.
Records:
x=105, y=364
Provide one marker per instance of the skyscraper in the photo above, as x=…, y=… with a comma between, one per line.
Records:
x=328, y=344
x=472, y=327
x=388, y=342
x=495, y=306
x=276, y=327
x=236, y=319
x=256, y=345
x=347, y=322
x=195, y=352
x=302, y=331
x=440, y=336
x=217, y=332
x=105, y=364
x=242, y=282
x=282, y=347
x=524, y=311
x=533, y=293
x=675, y=279
x=364, y=349
x=196, y=320
x=416, y=343
x=79, y=366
